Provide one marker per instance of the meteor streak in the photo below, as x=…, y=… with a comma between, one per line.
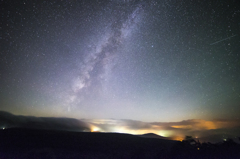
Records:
x=222, y=40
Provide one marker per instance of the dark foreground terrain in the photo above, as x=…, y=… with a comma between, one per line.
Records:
x=33, y=143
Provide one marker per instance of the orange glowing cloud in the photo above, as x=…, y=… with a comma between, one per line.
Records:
x=198, y=125
x=172, y=130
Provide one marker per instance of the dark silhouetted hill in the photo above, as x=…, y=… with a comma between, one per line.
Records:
x=26, y=143
x=152, y=135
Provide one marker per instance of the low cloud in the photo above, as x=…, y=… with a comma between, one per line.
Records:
x=203, y=130
x=8, y=120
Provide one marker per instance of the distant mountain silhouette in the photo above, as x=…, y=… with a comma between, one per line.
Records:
x=152, y=135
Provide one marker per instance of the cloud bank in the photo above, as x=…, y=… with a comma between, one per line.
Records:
x=8, y=120
x=203, y=130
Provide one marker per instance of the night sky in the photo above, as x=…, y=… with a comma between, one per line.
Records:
x=150, y=61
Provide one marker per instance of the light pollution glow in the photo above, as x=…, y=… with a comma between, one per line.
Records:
x=172, y=130
x=203, y=130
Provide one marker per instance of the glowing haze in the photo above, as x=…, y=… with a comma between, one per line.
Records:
x=173, y=130
x=166, y=67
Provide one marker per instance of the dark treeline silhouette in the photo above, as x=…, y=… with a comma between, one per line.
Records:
x=190, y=148
x=36, y=143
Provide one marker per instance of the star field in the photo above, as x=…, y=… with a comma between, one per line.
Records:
x=160, y=61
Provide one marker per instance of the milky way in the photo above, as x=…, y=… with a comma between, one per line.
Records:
x=97, y=62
